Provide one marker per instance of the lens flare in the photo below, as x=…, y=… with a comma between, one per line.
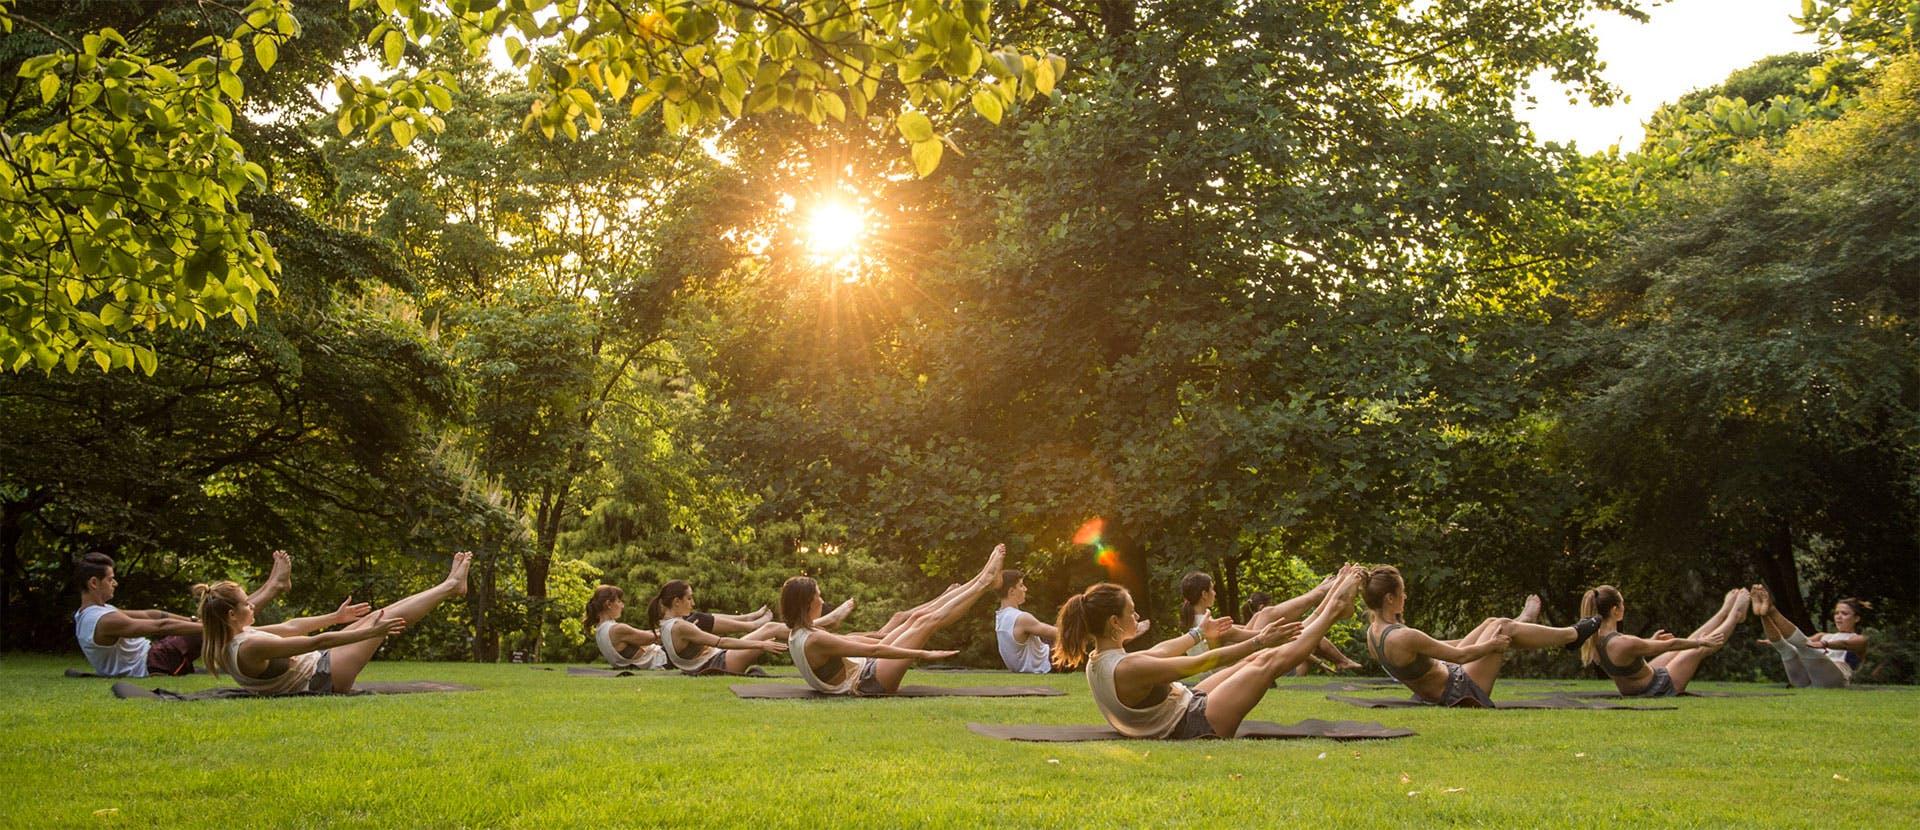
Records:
x=1089, y=533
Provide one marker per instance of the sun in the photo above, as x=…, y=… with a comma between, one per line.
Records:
x=834, y=231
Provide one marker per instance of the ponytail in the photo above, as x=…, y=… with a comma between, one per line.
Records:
x=1597, y=602
x=673, y=590
x=603, y=596
x=1081, y=617
x=1379, y=582
x=215, y=602
x=1192, y=587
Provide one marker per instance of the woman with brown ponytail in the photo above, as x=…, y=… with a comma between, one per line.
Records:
x=692, y=639
x=290, y=658
x=1136, y=691
x=1823, y=661
x=621, y=645
x=1452, y=672
x=854, y=664
x=1675, y=660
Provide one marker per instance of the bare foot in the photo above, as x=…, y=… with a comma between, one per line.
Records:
x=1741, y=604
x=457, y=577
x=1530, y=612
x=1762, y=600
x=995, y=561
x=837, y=615
x=280, y=577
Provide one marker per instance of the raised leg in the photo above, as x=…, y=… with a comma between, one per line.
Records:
x=916, y=633
x=348, y=660
x=740, y=659
x=1232, y=694
x=1682, y=665
x=279, y=579
x=832, y=619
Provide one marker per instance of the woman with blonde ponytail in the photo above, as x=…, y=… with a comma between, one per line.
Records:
x=1675, y=660
x=290, y=658
x=1453, y=672
x=1136, y=691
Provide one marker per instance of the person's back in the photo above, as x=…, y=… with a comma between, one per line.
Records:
x=1034, y=656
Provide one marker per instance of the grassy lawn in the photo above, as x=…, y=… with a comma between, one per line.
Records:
x=542, y=749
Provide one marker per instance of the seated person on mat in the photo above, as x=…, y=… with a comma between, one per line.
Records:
x=288, y=658
x=621, y=645
x=854, y=664
x=1196, y=609
x=115, y=641
x=1624, y=657
x=693, y=647
x=1136, y=691
x=1823, y=661
x=1457, y=672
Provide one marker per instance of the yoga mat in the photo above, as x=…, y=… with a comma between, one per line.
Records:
x=79, y=673
x=1533, y=703
x=129, y=691
x=1701, y=693
x=1358, y=684
x=1338, y=730
x=581, y=671
x=752, y=671
x=782, y=691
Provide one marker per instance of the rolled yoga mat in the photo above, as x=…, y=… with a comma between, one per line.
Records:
x=1338, y=730
x=783, y=691
x=129, y=691
x=1530, y=703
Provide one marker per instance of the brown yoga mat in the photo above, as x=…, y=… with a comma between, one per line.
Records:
x=1358, y=684
x=79, y=673
x=1701, y=693
x=1338, y=730
x=129, y=691
x=784, y=691
x=1530, y=703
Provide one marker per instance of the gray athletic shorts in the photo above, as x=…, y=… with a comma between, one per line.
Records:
x=1461, y=690
x=1662, y=686
x=1193, y=724
x=870, y=680
x=322, y=681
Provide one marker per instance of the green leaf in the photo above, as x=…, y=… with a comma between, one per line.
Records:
x=403, y=132
x=988, y=105
x=926, y=156
x=148, y=360
x=49, y=87
x=917, y=129
x=394, y=46
x=266, y=52
x=102, y=360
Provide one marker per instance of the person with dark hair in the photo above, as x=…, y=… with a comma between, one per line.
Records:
x=117, y=642
x=621, y=645
x=1025, y=643
x=1675, y=660
x=290, y=657
x=1453, y=672
x=1196, y=610
x=1823, y=661
x=695, y=645
x=1136, y=691
x=853, y=664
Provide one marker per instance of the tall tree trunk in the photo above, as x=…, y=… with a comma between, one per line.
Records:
x=1782, y=575
x=485, y=600
x=13, y=516
x=1230, y=586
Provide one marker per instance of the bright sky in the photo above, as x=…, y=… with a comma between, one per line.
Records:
x=1687, y=45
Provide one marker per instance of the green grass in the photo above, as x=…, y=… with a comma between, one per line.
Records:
x=542, y=749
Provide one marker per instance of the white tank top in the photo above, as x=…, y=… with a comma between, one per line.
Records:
x=299, y=673
x=1158, y=721
x=697, y=661
x=1031, y=657
x=648, y=657
x=127, y=657
x=849, y=671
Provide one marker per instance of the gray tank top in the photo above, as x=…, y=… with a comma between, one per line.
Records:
x=1156, y=719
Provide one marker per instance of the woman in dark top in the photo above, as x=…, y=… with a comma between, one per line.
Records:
x=1675, y=660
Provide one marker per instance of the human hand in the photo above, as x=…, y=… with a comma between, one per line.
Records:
x=385, y=627
x=1215, y=628
x=1662, y=634
x=1279, y=633
x=937, y=655
x=1817, y=641
x=350, y=611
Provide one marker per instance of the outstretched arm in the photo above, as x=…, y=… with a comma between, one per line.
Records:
x=1030, y=626
x=829, y=645
x=269, y=648
x=693, y=634
x=1426, y=646
x=117, y=624
x=1662, y=642
x=1142, y=669
x=346, y=613
x=1840, y=640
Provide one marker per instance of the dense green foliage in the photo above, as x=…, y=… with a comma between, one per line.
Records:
x=541, y=749
x=1264, y=286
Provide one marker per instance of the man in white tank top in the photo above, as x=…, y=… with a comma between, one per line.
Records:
x=115, y=641
x=1026, y=643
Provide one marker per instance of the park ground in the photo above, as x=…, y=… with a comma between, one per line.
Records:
x=543, y=749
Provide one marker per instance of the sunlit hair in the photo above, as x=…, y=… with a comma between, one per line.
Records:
x=1378, y=583
x=1083, y=615
x=1598, y=602
x=91, y=565
x=1192, y=587
x=1008, y=579
x=1255, y=602
x=603, y=596
x=796, y=602
x=216, y=601
x=670, y=593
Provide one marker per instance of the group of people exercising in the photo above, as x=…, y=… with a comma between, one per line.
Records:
x=1202, y=682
